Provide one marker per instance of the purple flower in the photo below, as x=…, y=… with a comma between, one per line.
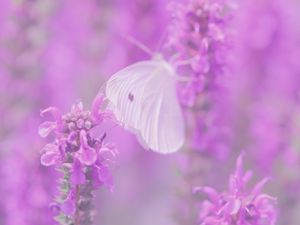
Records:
x=72, y=130
x=238, y=205
x=83, y=159
x=199, y=34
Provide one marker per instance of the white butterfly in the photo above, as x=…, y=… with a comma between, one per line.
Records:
x=143, y=98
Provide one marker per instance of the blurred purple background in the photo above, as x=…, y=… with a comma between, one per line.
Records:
x=54, y=53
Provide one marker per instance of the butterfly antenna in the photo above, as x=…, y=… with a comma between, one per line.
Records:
x=184, y=62
x=109, y=129
x=161, y=41
x=185, y=79
x=139, y=44
x=101, y=90
x=175, y=57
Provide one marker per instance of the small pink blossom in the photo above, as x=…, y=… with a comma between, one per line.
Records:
x=238, y=205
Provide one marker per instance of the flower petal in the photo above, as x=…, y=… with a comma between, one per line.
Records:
x=46, y=128
x=49, y=159
x=49, y=148
x=262, y=198
x=54, y=208
x=77, y=108
x=259, y=186
x=87, y=156
x=212, y=221
x=55, y=112
x=107, y=153
x=206, y=209
x=239, y=166
x=234, y=206
x=77, y=176
x=211, y=193
x=105, y=176
x=68, y=207
x=50, y=155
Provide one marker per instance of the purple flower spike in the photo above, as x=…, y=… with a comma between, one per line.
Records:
x=82, y=158
x=238, y=206
x=198, y=33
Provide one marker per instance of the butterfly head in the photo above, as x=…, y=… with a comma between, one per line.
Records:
x=158, y=57
x=171, y=69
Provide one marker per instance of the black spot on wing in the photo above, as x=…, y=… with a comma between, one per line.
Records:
x=131, y=97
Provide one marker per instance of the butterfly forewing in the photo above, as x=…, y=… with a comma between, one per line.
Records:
x=143, y=98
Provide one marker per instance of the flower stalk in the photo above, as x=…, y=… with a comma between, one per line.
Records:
x=82, y=160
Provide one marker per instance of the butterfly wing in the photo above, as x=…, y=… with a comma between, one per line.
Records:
x=143, y=97
x=125, y=92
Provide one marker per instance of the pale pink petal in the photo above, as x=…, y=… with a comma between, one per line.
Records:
x=258, y=187
x=211, y=193
x=264, y=197
x=50, y=158
x=77, y=108
x=239, y=166
x=46, y=128
x=55, y=112
x=87, y=156
x=234, y=206
x=50, y=155
x=68, y=207
x=105, y=176
x=49, y=148
x=206, y=209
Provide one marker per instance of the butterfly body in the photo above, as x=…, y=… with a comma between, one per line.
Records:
x=143, y=98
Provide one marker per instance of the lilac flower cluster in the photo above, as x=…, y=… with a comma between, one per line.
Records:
x=82, y=158
x=238, y=206
x=199, y=34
